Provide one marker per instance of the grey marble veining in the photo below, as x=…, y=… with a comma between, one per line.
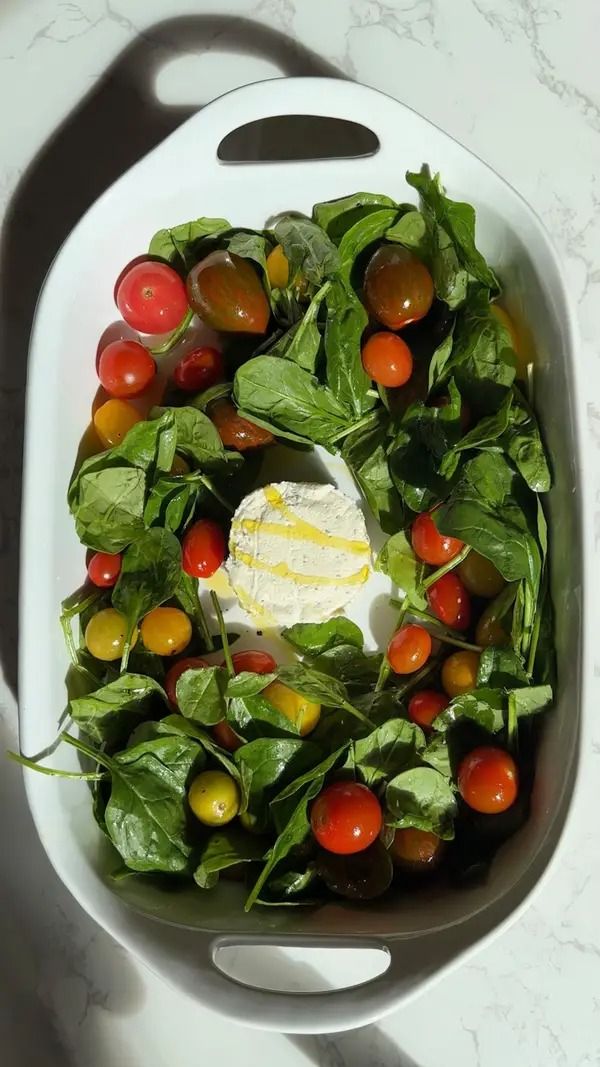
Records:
x=518, y=82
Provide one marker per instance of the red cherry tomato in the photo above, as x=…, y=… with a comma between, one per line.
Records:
x=346, y=818
x=236, y=432
x=225, y=736
x=104, y=569
x=203, y=549
x=255, y=661
x=429, y=544
x=199, y=369
x=450, y=602
x=387, y=359
x=425, y=705
x=151, y=297
x=488, y=780
x=409, y=649
x=125, y=368
x=398, y=287
x=174, y=674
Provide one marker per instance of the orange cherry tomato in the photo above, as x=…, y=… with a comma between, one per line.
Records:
x=104, y=568
x=226, y=293
x=398, y=287
x=278, y=268
x=125, y=368
x=113, y=420
x=416, y=851
x=488, y=780
x=151, y=297
x=199, y=369
x=203, y=549
x=459, y=673
x=387, y=359
x=225, y=736
x=253, y=660
x=236, y=432
x=450, y=602
x=346, y=818
x=425, y=705
x=409, y=649
x=174, y=673
x=429, y=544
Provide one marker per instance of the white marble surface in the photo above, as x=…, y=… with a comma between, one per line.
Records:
x=518, y=82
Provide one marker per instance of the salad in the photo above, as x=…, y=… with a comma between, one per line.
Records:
x=375, y=330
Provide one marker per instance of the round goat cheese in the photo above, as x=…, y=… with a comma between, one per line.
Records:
x=298, y=552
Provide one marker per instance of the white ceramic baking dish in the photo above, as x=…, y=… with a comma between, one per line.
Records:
x=179, y=180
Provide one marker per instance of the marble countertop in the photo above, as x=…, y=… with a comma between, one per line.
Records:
x=518, y=82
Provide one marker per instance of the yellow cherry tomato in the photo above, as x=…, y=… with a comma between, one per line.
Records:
x=480, y=576
x=166, y=631
x=304, y=713
x=506, y=321
x=459, y=673
x=278, y=268
x=214, y=798
x=490, y=631
x=114, y=419
x=105, y=634
x=179, y=465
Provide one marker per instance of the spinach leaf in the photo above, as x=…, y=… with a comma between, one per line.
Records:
x=485, y=707
x=501, y=667
x=249, y=245
x=522, y=442
x=365, y=453
x=424, y=436
x=109, y=714
x=399, y=562
x=178, y=245
x=201, y=694
x=437, y=755
x=294, y=833
x=482, y=358
x=487, y=432
x=150, y=571
x=423, y=798
x=146, y=815
x=109, y=508
x=363, y=233
x=218, y=391
x=198, y=439
x=313, y=638
x=226, y=848
x=267, y=765
x=482, y=511
x=302, y=341
x=337, y=216
x=531, y=700
x=458, y=222
x=289, y=888
x=285, y=801
x=314, y=685
x=178, y=726
x=247, y=684
x=254, y=716
x=172, y=501
x=386, y=751
x=289, y=397
x=439, y=359
x=411, y=231
x=307, y=248
x=349, y=665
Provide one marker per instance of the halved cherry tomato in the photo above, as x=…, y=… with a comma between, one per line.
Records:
x=450, y=602
x=104, y=569
x=387, y=359
x=236, y=432
x=346, y=818
x=174, y=673
x=278, y=268
x=226, y=293
x=113, y=420
x=151, y=297
x=416, y=851
x=488, y=780
x=199, y=369
x=429, y=544
x=480, y=576
x=166, y=631
x=409, y=649
x=125, y=368
x=253, y=660
x=203, y=549
x=459, y=673
x=398, y=287
x=225, y=736
x=105, y=635
x=425, y=705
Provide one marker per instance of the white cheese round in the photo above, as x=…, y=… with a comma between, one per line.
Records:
x=298, y=552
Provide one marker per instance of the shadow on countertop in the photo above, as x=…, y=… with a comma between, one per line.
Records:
x=115, y=125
